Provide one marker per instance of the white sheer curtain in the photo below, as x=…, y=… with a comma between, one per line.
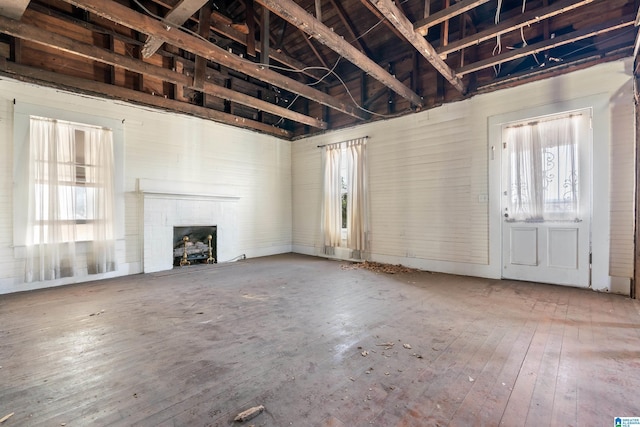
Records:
x=357, y=195
x=543, y=176
x=71, y=199
x=101, y=205
x=331, y=225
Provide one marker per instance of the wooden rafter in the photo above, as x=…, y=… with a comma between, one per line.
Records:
x=26, y=73
x=595, y=30
x=225, y=27
x=289, y=10
x=348, y=25
x=176, y=16
x=518, y=22
x=397, y=18
x=423, y=25
x=204, y=27
x=66, y=44
x=124, y=16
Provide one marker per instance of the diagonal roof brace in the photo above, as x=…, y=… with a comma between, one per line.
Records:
x=400, y=21
x=176, y=16
x=296, y=15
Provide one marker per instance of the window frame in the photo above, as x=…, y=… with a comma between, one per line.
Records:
x=21, y=123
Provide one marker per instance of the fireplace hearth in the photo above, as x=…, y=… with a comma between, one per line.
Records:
x=193, y=241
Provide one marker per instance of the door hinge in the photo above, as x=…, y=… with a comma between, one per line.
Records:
x=590, y=258
x=504, y=145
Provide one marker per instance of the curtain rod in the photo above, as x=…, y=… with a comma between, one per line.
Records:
x=341, y=142
x=549, y=119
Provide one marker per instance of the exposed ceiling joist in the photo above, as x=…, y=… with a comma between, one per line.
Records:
x=66, y=44
x=423, y=25
x=124, y=16
x=400, y=21
x=290, y=11
x=13, y=9
x=595, y=30
x=526, y=19
x=176, y=16
x=226, y=28
x=34, y=74
x=223, y=26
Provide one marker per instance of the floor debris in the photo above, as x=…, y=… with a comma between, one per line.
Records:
x=406, y=345
x=6, y=417
x=249, y=413
x=378, y=267
x=365, y=353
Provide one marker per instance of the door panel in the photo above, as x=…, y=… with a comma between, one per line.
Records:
x=524, y=246
x=562, y=248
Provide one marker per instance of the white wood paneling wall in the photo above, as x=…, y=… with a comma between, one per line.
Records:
x=163, y=146
x=432, y=202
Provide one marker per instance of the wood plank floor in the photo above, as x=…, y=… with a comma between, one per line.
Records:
x=195, y=346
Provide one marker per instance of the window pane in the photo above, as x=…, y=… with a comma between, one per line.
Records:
x=344, y=210
x=544, y=170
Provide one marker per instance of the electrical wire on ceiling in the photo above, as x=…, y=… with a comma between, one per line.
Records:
x=329, y=71
x=524, y=41
x=498, y=48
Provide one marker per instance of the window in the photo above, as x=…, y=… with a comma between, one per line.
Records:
x=544, y=173
x=71, y=187
x=344, y=218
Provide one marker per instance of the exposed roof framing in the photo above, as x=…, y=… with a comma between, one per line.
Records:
x=397, y=18
x=141, y=23
x=235, y=62
x=575, y=36
x=520, y=21
x=176, y=16
x=423, y=25
x=297, y=16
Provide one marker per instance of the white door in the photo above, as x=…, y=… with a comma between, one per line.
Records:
x=546, y=199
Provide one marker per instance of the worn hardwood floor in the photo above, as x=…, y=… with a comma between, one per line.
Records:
x=195, y=346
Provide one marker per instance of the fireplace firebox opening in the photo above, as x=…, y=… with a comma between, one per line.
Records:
x=191, y=245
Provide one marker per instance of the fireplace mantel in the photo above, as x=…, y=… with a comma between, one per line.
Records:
x=187, y=190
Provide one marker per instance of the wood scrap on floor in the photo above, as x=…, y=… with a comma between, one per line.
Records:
x=6, y=417
x=249, y=413
x=378, y=267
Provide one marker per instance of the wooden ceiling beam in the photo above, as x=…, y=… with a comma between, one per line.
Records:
x=423, y=25
x=296, y=15
x=225, y=27
x=605, y=27
x=176, y=17
x=526, y=19
x=30, y=74
x=402, y=23
x=68, y=45
x=122, y=15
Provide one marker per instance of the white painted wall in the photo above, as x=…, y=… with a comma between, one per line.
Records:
x=165, y=150
x=435, y=190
